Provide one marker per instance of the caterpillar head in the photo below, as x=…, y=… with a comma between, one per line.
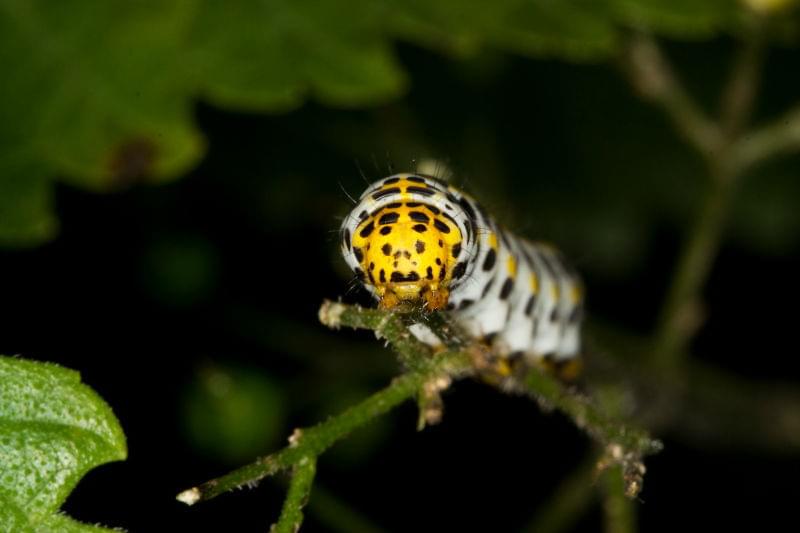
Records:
x=407, y=254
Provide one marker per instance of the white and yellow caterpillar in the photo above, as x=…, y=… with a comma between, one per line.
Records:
x=414, y=238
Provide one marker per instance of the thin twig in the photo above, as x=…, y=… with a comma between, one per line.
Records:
x=739, y=94
x=623, y=446
x=682, y=312
x=619, y=511
x=651, y=75
x=706, y=406
x=312, y=442
x=779, y=137
x=297, y=497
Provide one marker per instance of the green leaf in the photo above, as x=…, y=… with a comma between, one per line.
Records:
x=53, y=429
x=101, y=94
x=100, y=114
x=272, y=55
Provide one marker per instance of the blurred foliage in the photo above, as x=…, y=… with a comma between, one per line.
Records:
x=233, y=414
x=100, y=95
x=53, y=429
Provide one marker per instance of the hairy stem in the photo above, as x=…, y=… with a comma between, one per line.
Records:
x=619, y=511
x=599, y=424
x=297, y=497
x=313, y=441
x=428, y=373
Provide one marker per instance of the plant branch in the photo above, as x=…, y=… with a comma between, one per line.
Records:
x=312, y=442
x=297, y=497
x=651, y=75
x=682, y=313
x=781, y=136
x=619, y=511
x=624, y=447
x=739, y=95
x=704, y=405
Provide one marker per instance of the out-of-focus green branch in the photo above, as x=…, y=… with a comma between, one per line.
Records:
x=622, y=445
x=619, y=511
x=719, y=142
x=652, y=76
x=705, y=406
x=312, y=442
x=682, y=312
x=780, y=136
x=426, y=374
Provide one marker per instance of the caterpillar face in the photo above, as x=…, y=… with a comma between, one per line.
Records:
x=413, y=238
x=405, y=249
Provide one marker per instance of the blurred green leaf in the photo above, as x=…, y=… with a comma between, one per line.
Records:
x=272, y=55
x=233, y=414
x=53, y=429
x=98, y=88
x=100, y=94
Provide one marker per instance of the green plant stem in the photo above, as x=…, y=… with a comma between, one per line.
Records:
x=604, y=428
x=623, y=446
x=682, y=309
x=780, y=136
x=297, y=497
x=312, y=442
x=718, y=142
x=389, y=326
x=619, y=511
x=704, y=405
x=651, y=75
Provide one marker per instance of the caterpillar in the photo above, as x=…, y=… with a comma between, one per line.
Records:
x=412, y=238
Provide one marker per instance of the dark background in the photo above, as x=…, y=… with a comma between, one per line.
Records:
x=152, y=293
